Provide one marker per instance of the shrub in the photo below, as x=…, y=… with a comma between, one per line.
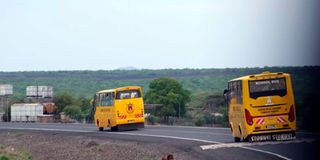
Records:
x=153, y=119
x=73, y=112
x=199, y=121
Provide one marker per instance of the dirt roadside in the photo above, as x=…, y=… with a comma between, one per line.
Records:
x=52, y=146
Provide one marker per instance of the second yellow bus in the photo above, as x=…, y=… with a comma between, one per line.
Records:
x=119, y=108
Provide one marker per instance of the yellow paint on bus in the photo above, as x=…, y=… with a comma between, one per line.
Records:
x=261, y=107
x=119, y=108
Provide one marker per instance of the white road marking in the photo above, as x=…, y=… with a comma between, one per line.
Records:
x=162, y=136
x=179, y=131
x=118, y=133
x=246, y=145
x=222, y=128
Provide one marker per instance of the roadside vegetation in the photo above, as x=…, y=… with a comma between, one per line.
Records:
x=194, y=93
x=9, y=152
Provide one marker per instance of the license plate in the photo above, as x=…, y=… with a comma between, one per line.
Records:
x=283, y=137
x=261, y=138
x=271, y=126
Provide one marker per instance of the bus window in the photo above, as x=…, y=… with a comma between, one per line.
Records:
x=235, y=89
x=106, y=99
x=128, y=94
x=231, y=89
x=269, y=87
x=239, y=92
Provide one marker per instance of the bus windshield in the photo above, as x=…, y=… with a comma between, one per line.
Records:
x=128, y=94
x=269, y=87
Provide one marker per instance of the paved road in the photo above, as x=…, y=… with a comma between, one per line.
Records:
x=197, y=142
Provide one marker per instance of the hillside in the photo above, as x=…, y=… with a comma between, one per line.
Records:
x=86, y=83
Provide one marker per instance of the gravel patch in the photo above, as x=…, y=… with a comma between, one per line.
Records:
x=52, y=146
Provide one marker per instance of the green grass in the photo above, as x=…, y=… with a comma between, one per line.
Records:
x=10, y=153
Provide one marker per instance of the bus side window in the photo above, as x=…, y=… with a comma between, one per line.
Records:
x=235, y=91
x=239, y=92
x=105, y=99
x=232, y=90
x=109, y=99
x=97, y=101
x=100, y=99
x=112, y=97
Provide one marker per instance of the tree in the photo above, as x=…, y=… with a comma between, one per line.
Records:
x=73, y=112
x=62, y=100
x=170, y=93
x=86, y=108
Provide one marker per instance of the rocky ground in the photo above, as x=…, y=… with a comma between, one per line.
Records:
x=52, y=146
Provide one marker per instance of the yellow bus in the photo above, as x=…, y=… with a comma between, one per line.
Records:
x=261, y=107
x=119, y=108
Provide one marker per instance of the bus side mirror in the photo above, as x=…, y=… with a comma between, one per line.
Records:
x=225, y=95
x=92, y=102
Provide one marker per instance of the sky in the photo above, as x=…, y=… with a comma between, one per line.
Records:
x=157, y=34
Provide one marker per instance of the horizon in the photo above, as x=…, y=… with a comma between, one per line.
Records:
x=141, y=69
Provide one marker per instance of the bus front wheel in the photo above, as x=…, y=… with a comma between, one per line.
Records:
x=100, y=128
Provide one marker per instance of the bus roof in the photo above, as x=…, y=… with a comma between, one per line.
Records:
x=106, y=91
x=120, y=89
x=261, y=76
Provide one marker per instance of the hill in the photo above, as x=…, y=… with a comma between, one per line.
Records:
x=86, y=83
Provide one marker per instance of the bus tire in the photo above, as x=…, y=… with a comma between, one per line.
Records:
x=237, y=139
x=247, y=139
x=100, y=128
x=115, y=128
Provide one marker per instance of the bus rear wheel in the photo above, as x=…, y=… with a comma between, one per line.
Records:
x=115, y=128
x=237, y=139
x=100, y=128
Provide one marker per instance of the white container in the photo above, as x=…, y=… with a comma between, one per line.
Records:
x=26, y=112
x=45, y=91
x=39, y=91
x=6, y=89
x=31, y=91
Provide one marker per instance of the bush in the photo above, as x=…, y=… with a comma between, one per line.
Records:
x=209, y=119
x=199, y=121
x=73, y=112
x=153, y=119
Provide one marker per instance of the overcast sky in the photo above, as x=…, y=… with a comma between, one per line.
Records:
x=156, y=34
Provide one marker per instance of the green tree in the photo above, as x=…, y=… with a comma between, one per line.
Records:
x=73, y=112
x=86, y=108
x=171, y=94
x=62, y=100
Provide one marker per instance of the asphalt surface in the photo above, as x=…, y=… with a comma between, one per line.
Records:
x=196, y=142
